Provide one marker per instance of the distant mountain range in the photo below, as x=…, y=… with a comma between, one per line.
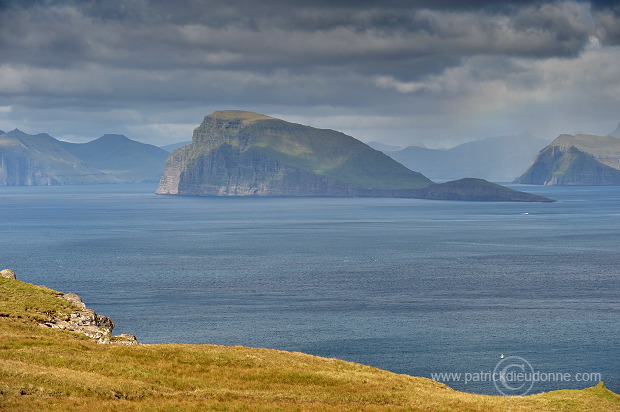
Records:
x=118, y=156
x=30, y=160
x=299, y=160
x=237, y=153
x=499, y=159
x=576, y=160
x=383, y=147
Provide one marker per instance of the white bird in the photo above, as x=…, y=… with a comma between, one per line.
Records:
x=501, y=356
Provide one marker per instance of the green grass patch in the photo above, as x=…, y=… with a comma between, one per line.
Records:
x=20, y=300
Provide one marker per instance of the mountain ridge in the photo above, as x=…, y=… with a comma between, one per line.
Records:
x=30, y=160
x=118, y=156
x=499, y=159
x=40, y=160
x=382, y=147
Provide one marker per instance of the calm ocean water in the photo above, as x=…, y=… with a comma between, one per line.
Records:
x=412, y=286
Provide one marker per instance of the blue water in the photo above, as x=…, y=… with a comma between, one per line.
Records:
x=412, y=286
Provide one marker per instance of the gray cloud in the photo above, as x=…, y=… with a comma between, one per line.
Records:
x=403, y=71
x=156, y=35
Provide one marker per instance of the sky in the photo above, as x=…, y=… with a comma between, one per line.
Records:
x=434, y=73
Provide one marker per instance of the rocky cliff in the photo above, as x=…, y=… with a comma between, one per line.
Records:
x=26, y=302
x=236, y=153
x=576, y=160
x=87, y=322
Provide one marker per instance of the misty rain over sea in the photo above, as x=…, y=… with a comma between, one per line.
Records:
x=413, y=286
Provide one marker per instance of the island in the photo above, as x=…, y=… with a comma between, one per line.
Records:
x=239, y=153
x=573, y=160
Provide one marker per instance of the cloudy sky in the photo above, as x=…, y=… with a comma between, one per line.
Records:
x=427, y=72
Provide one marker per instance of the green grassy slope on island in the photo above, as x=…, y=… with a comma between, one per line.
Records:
x=334, y=154
x=606, y=149
x=44, y=369
x=245, y=153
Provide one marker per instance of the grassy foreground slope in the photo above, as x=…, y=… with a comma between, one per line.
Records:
x=54, y=370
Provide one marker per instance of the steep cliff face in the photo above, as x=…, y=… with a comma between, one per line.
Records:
x=242, y=153
x=576, y=160
x=175, y=165
x=231, y=172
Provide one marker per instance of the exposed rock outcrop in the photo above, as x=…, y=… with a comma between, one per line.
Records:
x=87, y=322
x=7, y=273
x=82, y=319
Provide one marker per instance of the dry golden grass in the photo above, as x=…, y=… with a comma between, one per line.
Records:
x=29, y=302
x=52, y=370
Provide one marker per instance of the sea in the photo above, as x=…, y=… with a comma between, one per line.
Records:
x=460, y=292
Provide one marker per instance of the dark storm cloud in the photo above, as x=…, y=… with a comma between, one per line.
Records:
x=276, y=34
x=418, y=60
